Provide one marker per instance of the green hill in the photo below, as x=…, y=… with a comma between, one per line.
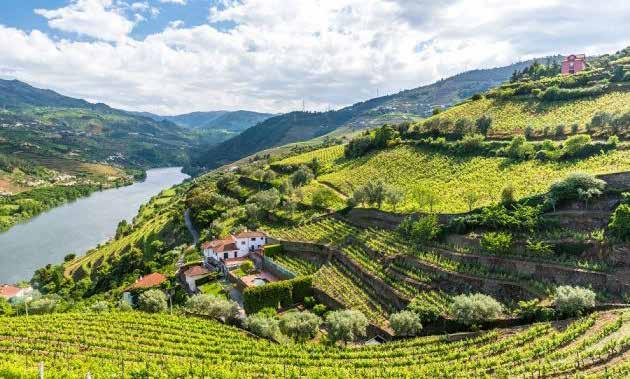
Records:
x=49, y=124
x=549, y=106
x=408, y=105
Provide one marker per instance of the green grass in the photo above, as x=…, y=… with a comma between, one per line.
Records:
x=213, y=288
x=512, y=116
x=451, y=178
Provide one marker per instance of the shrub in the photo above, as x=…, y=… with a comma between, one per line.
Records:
x=152, y=301
x=5, y=307
x=300, y=326
x=477, y=96
x=471, y=143
x=483, y=124
x=124, y=306
x=309, y=302
x=212, y=306
x=42, y=306
x=100, y=306
x=572, y=301
x=568, y=188
x=497, y=242
x=282, y=293
x=425, y=311
x=532, y=311
x=620, y=222
x=507, y=195
x=319, y=309
x=323, y=198
x=405, y=323
x=420, y=230
x=518, y=149
x=247, y=266
x=539, y=248
x=346, y=325
x=301, y=177
x=469, y=309
x=575, y=145
x=263, y=326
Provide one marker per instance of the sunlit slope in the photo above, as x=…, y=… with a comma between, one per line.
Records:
x=450, y=178
x=513, y=115
x=162, y=346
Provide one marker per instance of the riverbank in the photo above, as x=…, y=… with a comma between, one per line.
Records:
x=77, y=226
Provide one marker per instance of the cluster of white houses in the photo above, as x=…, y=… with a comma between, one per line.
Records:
x=236, y=246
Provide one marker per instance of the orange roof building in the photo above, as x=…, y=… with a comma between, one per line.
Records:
x=148, y=281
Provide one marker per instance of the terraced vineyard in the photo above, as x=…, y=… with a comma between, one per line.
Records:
x=512, y=116
x=160, y=346
x=295, y=264
x=451, y=178
x=325, y=156
x=346, y=287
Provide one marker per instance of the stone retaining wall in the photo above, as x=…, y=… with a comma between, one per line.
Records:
x=458, y=282
x=618, y=181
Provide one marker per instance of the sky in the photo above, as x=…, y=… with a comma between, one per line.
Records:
x=177, y=56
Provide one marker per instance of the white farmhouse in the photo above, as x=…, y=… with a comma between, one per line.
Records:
x=235, y=246
x=14, y=294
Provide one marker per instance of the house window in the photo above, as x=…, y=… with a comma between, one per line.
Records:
x=242, y=242
x=235, y=254
x=253, y=239
x=225, y=256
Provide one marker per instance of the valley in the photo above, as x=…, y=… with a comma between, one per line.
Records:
x=487, y=238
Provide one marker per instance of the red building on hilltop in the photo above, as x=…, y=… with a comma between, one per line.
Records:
x=574, y=63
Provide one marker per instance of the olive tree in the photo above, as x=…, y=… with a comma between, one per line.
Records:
x=300, y=326
x=572, y=301
x=472, y=308
x=346, y=325
x=263, y=325
x=405, y=323
x=212, y=306
x=152, y=301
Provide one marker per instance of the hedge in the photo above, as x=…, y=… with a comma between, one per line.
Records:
x=274, y=295
x=272, y=250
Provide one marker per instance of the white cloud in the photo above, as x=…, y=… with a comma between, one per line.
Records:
x=329, y=53
x=181, y=2
x=94, y=18
x=176, y=24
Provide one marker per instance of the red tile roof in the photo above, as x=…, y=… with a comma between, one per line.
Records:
x=227, y=244
x=196, y=271
x=149, y=281
x=249, y=234
x=8, y=291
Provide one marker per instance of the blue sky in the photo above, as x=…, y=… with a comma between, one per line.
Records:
x=20, y=14
x=175, y=56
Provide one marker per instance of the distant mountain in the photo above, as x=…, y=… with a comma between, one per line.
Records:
x=46, y=123
x=408, y=105
x=233, y=121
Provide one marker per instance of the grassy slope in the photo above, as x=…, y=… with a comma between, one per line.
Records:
x=512, y=116
x=408, y=168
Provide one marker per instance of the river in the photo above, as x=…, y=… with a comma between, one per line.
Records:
x=77, y=226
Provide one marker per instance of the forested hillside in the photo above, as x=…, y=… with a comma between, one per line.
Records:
x=49, y=124
x=406, y=105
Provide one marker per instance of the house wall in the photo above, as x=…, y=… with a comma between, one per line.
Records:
x=246, y=245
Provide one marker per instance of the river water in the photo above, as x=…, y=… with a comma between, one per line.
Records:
x=76, y=227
